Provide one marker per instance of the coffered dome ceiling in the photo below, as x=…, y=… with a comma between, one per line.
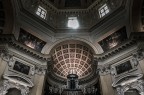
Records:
x=72, y=58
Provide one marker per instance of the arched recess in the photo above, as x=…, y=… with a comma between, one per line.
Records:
x=132, y=92
x=96, y=49
x=10, y=85
x=13, y=91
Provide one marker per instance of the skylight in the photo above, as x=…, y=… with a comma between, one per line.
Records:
x=103, y=10
x=73, y=22
x=41, y=12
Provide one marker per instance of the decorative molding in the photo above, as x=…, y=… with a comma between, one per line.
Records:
x=138, y=85
x=10, y=41
x=55, y=90
x=8, y=84
x=50, y=21
x=41, y=70
x=127, y=82
x=5, y=56
x=129, y=43
x=135, y=39
x=33, y=69
x=129, y=78
x=139, y=55
x=84, y=89
x=21, y=80
x=133, y=63
x=50, y=7
x=89, y=90
x=11, y=63
x=104, y=69
x=11, y=60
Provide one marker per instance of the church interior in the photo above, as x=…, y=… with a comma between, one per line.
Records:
x=71, y=47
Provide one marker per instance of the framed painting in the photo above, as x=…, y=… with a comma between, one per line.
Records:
x=30, y=40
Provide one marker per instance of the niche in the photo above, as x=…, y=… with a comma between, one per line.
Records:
x=132, y=92
x=14, y=91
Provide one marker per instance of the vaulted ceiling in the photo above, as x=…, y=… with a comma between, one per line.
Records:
x=72, y=59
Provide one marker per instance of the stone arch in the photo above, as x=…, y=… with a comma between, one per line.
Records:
x=134, y=87
x=138, y=85
x=96, y=49
x=13, y=91
x=134, y=91
x=9, y=85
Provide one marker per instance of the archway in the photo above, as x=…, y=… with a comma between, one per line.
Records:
x=69, y=59
x=13, y=91
x=132, y=92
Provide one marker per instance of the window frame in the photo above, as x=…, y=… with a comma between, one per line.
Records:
x=41, y=12
x=103, y=10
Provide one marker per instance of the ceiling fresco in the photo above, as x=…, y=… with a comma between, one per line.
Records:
x=114, y=39
x=30, y=40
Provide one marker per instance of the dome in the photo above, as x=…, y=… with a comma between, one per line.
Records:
x=72, y=58
x=43, y=54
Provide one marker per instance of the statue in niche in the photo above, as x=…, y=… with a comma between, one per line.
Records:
x=13, y=91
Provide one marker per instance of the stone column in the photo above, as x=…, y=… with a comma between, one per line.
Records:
x=4, y=59
x=38, y=85
x=139, y=56
x=39, y=80
x=142, y=93
x=3, y=65
x=106, y=80
x=0, y=60
x=106, y=85
x=141, y=63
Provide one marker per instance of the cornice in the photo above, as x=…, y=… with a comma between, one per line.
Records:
x=55, y=29
x=73, y=11
x=134, y=40
x=120, y=10
x=7, y=40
